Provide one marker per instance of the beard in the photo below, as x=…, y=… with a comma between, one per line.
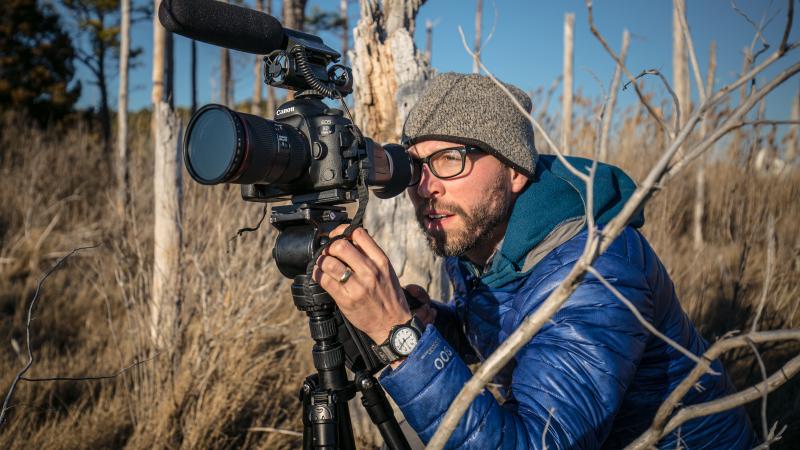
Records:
x=479, y=226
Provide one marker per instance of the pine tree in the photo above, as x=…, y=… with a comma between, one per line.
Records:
x=36, y=61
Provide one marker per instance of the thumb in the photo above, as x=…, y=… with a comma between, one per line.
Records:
x=416, y=296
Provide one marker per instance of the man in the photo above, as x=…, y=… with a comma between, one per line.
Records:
x=512, y=224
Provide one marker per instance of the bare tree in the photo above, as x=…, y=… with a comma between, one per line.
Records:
x=258, y=83
x=428, y=41
x=664, y=169
x=159, y=59
x=294, y=14
x=566, y=99
x=612, y=98
x=345, y=30
x=225, y=85
x=193, y=75
x=167, y=239
x=476, y=48
x=698, y=211
x=680, y=68
x=794, y=132
x=122, y=108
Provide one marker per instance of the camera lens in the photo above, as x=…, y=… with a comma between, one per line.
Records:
x=225, y=146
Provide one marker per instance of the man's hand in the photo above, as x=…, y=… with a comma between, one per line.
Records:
x=425, y=312
x=371, y=298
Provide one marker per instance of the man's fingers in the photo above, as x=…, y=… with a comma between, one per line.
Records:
x=348, y=254
x=338, y=230
x=370, y=248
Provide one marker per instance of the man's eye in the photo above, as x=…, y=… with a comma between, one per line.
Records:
x=451, y=157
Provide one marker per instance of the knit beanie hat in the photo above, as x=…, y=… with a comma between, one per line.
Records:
x=473, y=110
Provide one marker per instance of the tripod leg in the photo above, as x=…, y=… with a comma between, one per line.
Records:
x=380, y=412
x=305, y=398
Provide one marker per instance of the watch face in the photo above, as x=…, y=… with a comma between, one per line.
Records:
x=404, y=340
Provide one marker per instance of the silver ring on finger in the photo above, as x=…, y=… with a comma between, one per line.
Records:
x=346, y=275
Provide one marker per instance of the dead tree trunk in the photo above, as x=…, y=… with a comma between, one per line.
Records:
x=794, y=131
x=566, y=99
x=159, y=43
x=390, y=73
x=700, y=181
x=476, y=49
x=165, y=302
x=294, y=15
x=428, y=41
x=680, y=60
x=612, y=99
x=168, y=236
x=258, y=83
x=122, y=109
x=345, y=30
x=225, y=74
x=193, y=70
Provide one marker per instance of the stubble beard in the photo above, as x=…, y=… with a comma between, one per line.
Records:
x=479, y=226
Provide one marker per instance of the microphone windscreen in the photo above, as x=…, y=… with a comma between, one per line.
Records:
x=222, y=24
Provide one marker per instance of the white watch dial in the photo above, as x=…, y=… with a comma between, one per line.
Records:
x=404, y=340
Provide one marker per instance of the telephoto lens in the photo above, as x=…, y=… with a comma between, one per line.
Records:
x=225, y=146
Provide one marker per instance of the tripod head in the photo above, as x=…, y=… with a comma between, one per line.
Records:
x=303, y=230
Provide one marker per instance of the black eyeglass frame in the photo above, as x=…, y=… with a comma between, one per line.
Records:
x=419, y=162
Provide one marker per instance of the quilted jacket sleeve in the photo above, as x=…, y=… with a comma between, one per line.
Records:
x=568, y=382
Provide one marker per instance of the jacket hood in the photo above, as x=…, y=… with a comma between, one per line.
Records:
x=553, y=197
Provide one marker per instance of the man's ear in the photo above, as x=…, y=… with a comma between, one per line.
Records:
x=518, y=181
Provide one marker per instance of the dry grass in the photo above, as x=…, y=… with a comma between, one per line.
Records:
x=244, y=349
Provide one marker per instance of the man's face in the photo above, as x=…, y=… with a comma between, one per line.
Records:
x=466, y=214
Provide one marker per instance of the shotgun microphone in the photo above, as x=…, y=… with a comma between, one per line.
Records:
x=223, y=25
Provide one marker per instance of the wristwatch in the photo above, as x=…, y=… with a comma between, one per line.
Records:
x=401, y=341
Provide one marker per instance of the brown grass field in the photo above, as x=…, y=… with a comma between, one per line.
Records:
x=244, y=350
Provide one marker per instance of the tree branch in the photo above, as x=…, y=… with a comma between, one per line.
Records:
x=675, y=102
x=661, y=427
x=598, y=241
x=32, y=304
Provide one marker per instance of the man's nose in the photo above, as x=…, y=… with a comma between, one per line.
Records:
x=429, y=184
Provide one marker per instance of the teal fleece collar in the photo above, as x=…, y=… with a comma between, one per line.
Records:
x=554, y=197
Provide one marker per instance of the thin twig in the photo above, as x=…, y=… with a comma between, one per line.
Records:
x=764, y=376
x=676, y=103
x=784, y=46
x=630, y=76
x=119, y=372
x=276, y=430
x=776, y=380
x=661, y=426
x=32, y=304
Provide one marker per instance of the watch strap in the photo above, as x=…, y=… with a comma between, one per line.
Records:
x=384, y=351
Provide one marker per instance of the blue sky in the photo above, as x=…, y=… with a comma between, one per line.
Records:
x=525, y=48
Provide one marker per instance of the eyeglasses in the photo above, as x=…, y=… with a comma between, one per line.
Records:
x=445, y=163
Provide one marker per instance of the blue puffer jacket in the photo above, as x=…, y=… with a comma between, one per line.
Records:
x=594, y=373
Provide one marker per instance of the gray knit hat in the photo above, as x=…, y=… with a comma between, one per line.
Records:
x=473, y=110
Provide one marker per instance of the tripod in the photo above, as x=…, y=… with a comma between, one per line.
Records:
x=324, y=395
